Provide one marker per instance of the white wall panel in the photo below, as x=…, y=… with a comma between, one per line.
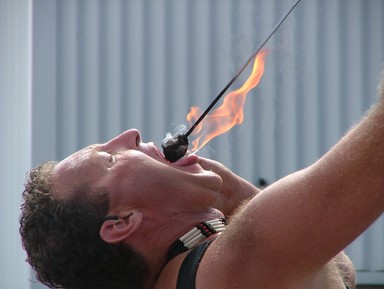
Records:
x=15, y=137
x=105, y=66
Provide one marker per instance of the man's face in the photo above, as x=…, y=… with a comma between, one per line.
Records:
x=135, y=174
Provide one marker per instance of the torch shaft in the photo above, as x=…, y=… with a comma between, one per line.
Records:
x=261, y=45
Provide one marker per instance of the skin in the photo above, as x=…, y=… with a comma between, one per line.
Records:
x=330, y=204
x=139, y=181
x=282, y=237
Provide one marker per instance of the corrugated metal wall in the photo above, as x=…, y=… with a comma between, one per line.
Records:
x=15, y=136
x=100, y=67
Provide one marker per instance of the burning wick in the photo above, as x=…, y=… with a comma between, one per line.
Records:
x=176, y=146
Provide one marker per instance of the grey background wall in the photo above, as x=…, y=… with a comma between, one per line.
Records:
x=79, y=72
x=15, y=136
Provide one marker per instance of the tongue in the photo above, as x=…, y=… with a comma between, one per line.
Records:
x=188, y=160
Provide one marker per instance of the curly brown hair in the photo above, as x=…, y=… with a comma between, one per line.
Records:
x=61, y=238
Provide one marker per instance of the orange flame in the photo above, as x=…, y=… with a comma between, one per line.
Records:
x=229, y=113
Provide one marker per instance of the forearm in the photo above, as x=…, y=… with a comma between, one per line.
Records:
x=318, y=211
x=235, y=191
x=352, y=174
x=244, y=193
x=235, y=195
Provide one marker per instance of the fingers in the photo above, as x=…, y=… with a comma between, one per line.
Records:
x=209, y=164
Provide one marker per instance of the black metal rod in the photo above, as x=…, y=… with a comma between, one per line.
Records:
x=242, y=68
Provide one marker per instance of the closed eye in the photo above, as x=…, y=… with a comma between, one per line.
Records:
x=103, y=158
x=112, y=159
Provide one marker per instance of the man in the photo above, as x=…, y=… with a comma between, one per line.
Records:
x=118, y=215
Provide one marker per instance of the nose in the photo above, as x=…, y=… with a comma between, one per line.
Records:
x=129, y=139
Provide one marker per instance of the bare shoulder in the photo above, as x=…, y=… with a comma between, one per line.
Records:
x=229, y=267
x=237, y=259
x=227, y=264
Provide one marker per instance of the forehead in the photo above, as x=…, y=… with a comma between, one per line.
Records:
x=80, y=168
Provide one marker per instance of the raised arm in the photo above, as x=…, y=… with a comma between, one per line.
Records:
x=295, y=226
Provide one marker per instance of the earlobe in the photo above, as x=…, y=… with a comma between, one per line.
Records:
x=115, y=231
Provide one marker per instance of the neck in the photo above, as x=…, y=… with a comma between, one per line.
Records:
x=160, y=234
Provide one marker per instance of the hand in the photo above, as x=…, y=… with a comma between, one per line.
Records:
x=235, y=190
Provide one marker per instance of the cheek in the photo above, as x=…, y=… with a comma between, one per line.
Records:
x=140, y=179
x=133, y=179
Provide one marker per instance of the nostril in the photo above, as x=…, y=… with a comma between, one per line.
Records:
x=138, y=140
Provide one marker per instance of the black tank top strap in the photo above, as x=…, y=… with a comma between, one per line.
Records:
x=188, y=269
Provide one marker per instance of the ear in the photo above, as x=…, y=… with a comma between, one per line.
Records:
x=115, y=231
